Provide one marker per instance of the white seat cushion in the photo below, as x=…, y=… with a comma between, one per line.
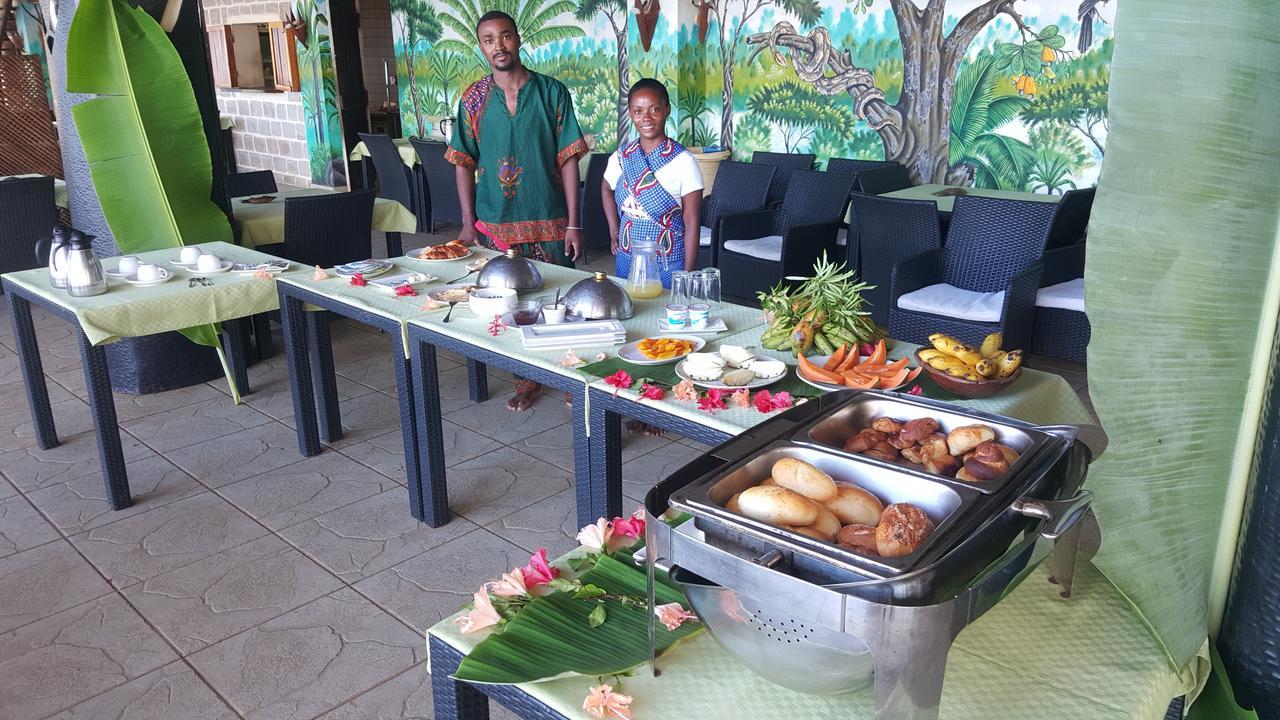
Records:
x=1064, y=296
x=842, y=237
x=704, y=236
x=951, y=301
x=768, y=247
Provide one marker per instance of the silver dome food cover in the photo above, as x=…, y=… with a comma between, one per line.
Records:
x=511, y=271
x=599, y=298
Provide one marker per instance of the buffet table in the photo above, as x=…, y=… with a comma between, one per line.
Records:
x=264, y=224
x=946, y=202
x=1034, y=656
x=128, y=311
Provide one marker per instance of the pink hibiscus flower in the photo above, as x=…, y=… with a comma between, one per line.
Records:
x=673, y=615
x=539, y=571
x=358, y=280
x=603, y=702
x=713, y=401
x=686, y=391
x=651, y=392
x=479, y=617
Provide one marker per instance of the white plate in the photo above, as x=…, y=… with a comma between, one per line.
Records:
x=273, y=267
x=821, y=360
x=116, y=274
x=757, y=383
x=178, y=263
x=414, y=256
x=631, y=351
x=434, y=293
x=224, y=266
x=369, y=268
x=714, y=325
x=132, y=279
x=510, y=320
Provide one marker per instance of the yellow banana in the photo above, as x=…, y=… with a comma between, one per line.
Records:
x=958, y=371
x=972, y=376
x=970, y=356
x=991, y=344
x=946, y=362
x=929, y=354
x=1009, y=363
x=945, y=343
x=986, y=367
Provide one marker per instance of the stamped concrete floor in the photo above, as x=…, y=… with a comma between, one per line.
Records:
x=246, y=580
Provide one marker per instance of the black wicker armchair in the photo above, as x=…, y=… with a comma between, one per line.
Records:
x=395, y=179
x=328, y=230
x=758, y=249
x=878, y=181
x=258, y=182
x=889, y=230
x=984, y=280
x=1061, y=328
x=1071, y=224
x=739, y=187
x=27, y=215
x=440, y=196
x=848, y=237
x=787, y=163
x=595, y=228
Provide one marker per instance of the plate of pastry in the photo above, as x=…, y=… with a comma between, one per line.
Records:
x=730, y=368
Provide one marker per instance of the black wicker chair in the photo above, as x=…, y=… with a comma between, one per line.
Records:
x=595, y=228
x=878, y=181
x=329, y=229
x=848, y=237
x=889, y=230
x=258, y=182
x=441, y=191
x=992, y=246
x=1061, y=332
x=1071, y=223
x=787, y=163
x=758, y=249
x=395, y=179
x=27, y=215
x=739, y=187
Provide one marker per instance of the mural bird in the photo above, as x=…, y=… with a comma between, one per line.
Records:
x=1087, y=13
x=647, y=20
x=704, y=20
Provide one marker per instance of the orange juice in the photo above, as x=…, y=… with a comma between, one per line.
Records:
x=647, y=291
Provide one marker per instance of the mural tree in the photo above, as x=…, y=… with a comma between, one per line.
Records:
x=799, y=111
x=418, y=24
x=730, y=36
x=616, y=12
x=990, y=159
x=1078, y=101
x=916, y=130
x=534, y=19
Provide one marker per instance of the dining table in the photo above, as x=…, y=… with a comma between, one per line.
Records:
x=59, y=188
x=263, y=224
x=944, y=196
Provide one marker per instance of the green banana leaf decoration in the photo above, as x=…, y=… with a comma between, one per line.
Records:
x=551, y=636
x=143, y=137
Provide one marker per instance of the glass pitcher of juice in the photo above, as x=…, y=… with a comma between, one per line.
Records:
x=644, y=281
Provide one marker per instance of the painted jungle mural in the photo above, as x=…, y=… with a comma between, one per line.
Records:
x=309, y=21
x=997, y=93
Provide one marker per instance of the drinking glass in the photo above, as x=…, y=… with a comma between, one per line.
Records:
x=679, y=287
x=696, y=292
x=711, y=287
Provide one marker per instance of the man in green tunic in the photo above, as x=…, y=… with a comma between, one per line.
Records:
x=516, y=144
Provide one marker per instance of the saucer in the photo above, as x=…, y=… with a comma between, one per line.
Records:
x=224, y=266
x=133, y=279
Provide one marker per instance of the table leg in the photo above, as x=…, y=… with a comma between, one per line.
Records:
x=583, y=489
x=477, y=380
x=394, y=247
x=103, y=408
x=408, y=427
x=606, y=464
x=262, y=335
x=364, y=173
x=24, y=333
x=233, y=345
x=295, y=348
x=434, y=490
x=453, y=700
x=323, y=377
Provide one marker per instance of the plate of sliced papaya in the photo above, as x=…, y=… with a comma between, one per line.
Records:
x=849, y=368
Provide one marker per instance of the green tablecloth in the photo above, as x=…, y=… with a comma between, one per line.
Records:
x=59, y=188
x=407, y=154
x=264, y=224
x=129, y=311
x=1032, y=657
x=945, y=202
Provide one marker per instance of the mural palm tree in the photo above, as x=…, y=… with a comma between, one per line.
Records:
x=616, y=12
x=977, y=111
x=534, y=19
x=418, y=24
x=916, y=129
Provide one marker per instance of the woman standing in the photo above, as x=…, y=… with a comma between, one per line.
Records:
x=652, y=188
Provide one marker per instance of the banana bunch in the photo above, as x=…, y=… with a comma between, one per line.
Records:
x=963, y=361
x=787, y=335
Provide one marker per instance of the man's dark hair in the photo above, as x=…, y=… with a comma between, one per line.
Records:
x=651, y=85
x=494, y=15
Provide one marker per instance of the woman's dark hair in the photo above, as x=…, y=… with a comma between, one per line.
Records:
x=495, y=15
x=651, y=85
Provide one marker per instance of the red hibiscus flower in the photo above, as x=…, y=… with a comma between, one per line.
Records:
x=915, y=390
x=764, y=401
x=358, y=280
x=619, y=380
x=538, y=571
x=632, y=527
x=406, y=289
x=782, y=400
x=651, y=392
x=713, y=401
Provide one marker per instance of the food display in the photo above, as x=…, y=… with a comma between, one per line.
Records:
x=451, y=250
x=824, y=312
x=800, y=497
x=732, y=366
x=956, y=359
x=969, y=453
x=847, y=368
x=664, y=348
x=453, y=293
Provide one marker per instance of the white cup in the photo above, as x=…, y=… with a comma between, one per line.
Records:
x=553, y=314
x=189, y=255
x=208, y=263
x=148, y=272
x=128, y=265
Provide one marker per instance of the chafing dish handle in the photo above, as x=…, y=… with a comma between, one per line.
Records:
x=1059, y=516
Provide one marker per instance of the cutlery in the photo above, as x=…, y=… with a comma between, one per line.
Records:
x=451, y=306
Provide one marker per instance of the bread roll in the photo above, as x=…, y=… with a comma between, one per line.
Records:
x=777, y=506
x=827, y=524
x=853, y=505
x=986, y=462
x=963, y=439
x=768, y=482
x=883, y=451
x=858, y=538
x=808, y=530
x=903, y=527
x=917, y=430
x=732, y=505
x=804, y=478
x=864, y=440
x=964, y=475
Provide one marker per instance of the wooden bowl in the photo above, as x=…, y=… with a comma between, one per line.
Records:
x=967, y=388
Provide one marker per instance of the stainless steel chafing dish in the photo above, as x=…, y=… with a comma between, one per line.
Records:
x=821, y=619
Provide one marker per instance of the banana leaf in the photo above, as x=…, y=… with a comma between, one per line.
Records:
x=1180, y=261
x=143, y=137
x=551, y=636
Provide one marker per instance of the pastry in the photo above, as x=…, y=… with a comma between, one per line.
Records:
x=808, y=530
x=777, y=506
x=738, y=378
x=858, y=538
x=986, y=462
x=964, y=475
x=736, y=356
x=883, y=451
x=704, y=366
x=768, y=482
x=943, y=464
x=916, y=430
x=886, y=425
x=804, y=478
x=732, y=505
x=864, y=440
x=826, y=523
x=902, y=529
x=853, y=505
x=1010, y=455
x=767, y=368
x=963, y=439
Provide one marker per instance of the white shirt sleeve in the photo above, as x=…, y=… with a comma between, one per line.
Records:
x=612, y=170
x=690, y=174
